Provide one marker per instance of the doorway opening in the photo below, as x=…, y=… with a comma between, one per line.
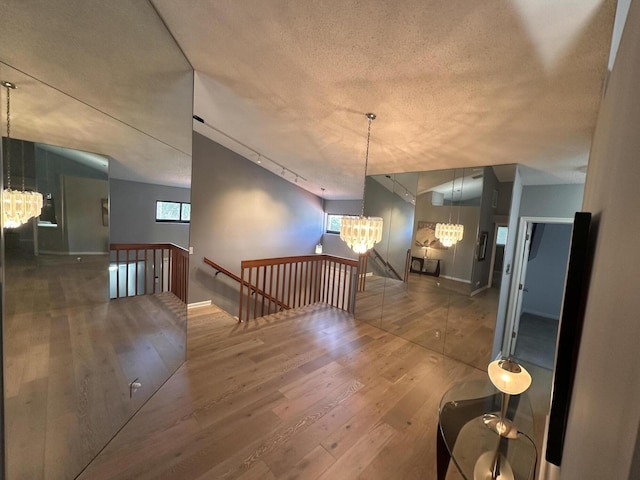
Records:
x=542, y=254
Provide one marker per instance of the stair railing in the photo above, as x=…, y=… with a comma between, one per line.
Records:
x=275, y=284
x=148, y=268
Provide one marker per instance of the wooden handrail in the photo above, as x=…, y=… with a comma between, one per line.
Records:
x=235, y=277
x=140, y=246
x=387, y=264
x=407, y=266
x=363, y=263
x=174, y=278
x=290, y=282
x=222, y=270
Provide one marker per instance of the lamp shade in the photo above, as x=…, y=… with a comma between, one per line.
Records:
x=509, y=377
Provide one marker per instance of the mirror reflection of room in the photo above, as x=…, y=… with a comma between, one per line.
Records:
x=77, y=363
x=444, y=298
x=64, y=333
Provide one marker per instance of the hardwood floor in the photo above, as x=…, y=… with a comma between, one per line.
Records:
x=70, y=355
x=433, y=312
x=306, y=394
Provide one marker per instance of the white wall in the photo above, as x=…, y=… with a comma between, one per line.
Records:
x=604, y=418
x=240, y=211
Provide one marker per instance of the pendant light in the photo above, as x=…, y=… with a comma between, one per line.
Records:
x=451, y=233
x=362, y=233
x=18, y=206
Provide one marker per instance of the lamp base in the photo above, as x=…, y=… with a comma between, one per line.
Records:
x=502, y=427
x=485, y=466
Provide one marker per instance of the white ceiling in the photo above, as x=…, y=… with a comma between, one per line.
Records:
x=105, y=77
x=456, y=83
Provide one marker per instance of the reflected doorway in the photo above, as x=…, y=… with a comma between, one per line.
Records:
x=539, y=290
x=497, y=255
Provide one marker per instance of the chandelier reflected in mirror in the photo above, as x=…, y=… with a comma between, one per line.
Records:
x=451, y=233
x=18, y=206
x=362, y=233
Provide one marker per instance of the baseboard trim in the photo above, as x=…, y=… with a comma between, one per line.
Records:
x=455, y=279
x=481, y=289
x=206, y=303
x=543, y=315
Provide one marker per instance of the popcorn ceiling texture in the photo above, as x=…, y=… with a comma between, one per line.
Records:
x=455, y=83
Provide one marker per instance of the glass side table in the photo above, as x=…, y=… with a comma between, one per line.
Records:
x=476, y=449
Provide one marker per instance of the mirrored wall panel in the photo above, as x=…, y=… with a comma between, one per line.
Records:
x=78, y=363
x=443, y=297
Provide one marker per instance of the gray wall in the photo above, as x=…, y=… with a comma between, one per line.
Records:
x=602, y=431
x=509, y=250
x=482, y=269
x=546, y=272
x=83, y=215
x=240, y=211
x=457, y=261
x=397, y=229
x=54, y=170
x=331, y=242
x=133, y=213
x=561, y=201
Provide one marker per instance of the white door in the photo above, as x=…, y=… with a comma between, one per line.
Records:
x=521, y=286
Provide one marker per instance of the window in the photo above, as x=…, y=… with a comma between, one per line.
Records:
x=333, y=223
x=177, y=212
x=501, y=237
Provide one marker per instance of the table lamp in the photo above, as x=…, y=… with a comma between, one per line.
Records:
x=511, y=379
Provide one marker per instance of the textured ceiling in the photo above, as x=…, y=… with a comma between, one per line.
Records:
x=105, y=77
x=456, y=83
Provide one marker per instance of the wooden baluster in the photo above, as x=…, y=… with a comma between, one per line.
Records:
x=126, y=280
x=307, y=300
x=330, y=283
x=146, y=250
x=117, y=273
x=277, y=286
x=270, y=287
x=240, y=299
x=136, y=267
x=348, y=285
x=263, y=269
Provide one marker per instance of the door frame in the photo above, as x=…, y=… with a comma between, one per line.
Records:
x=512, y=322
x=494, y=248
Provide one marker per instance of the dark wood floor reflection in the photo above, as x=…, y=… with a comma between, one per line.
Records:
x=68, y=367
x=309, y=393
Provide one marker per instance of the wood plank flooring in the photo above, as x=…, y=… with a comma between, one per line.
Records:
x=433, y=312
x=70, y=355
x=303, y=394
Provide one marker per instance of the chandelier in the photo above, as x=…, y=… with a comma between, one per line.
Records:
x=18, y=206
x=362, y=233
x=451, y=233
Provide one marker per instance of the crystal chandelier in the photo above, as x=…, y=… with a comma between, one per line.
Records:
x=451, y=233
x=18, y=206
x=362, y=233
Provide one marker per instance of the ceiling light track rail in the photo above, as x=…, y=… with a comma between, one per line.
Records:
x=253, y=150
